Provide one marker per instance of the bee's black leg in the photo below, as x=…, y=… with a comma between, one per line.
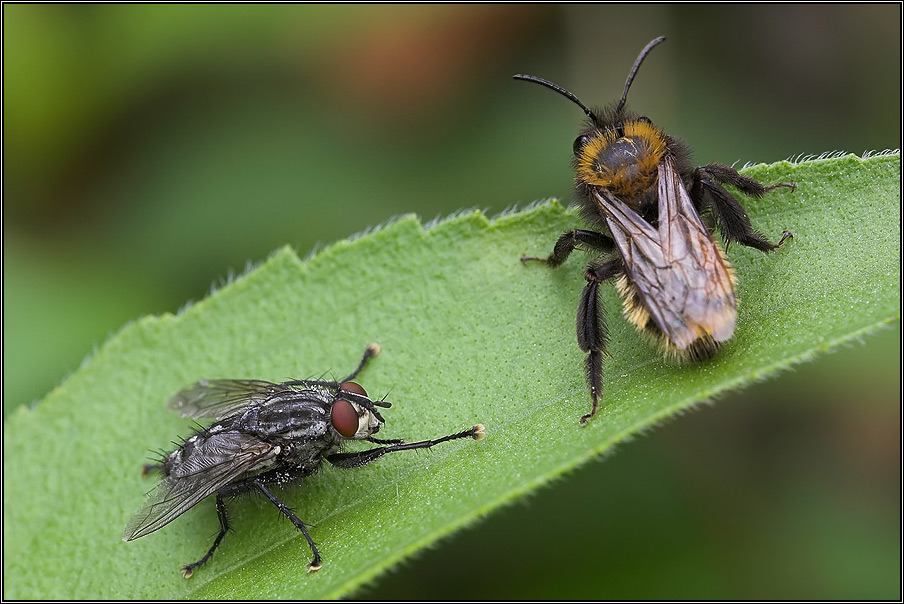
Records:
x=593, y=335
x=749, y=186
x=569, y=240
x=189, y=569
x=372, y=350
x=288, y=513
x=733, y=220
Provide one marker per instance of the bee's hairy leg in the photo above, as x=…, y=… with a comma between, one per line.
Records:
x=189, y=569
x=749, y=186
x=733, y=220
x=593, y=334
x=569, y=240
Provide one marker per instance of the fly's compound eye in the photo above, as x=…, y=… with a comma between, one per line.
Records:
x=344, y=418
x=353, y=388
x=579, y=143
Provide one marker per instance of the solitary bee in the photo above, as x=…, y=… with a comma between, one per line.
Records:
x=635, y=183
x=265, y=434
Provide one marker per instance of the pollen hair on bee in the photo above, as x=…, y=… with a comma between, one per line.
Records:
x=624, y=162
x=634, y=309
x=702, y=348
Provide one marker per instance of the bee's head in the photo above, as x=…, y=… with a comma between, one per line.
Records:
x=354, y=414
x=616, y=149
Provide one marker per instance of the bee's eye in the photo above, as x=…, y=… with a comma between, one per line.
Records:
x=344, y=418
x=579, y=143
x=353, y=388
x=644, y=119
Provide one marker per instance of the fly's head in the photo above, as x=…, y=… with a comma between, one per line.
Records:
x=354, y=415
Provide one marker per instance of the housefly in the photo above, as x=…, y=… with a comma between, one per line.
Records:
x=265, y=434
x=635, y=184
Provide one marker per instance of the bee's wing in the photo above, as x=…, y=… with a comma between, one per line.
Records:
x=710, y=305
x=215, y=461
x=217, y=399
x=681, y=276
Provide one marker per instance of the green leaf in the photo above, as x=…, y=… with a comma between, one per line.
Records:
x=468, y=334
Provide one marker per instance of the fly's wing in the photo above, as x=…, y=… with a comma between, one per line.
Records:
x=211, y=463
x=217, y=399
x=681, y=276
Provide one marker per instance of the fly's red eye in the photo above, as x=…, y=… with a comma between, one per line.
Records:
x=352, y=387
x=344, y=418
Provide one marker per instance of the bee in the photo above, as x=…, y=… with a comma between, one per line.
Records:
x=635, y=184
x=265, y=434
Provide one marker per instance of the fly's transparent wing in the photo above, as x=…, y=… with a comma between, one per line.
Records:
x=208, y=464
x=217, y=399
x=680, y=273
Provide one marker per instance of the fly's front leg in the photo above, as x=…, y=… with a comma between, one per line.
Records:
x=733, y=220
x=593, y=335
x=361, y=458
x=570, y=240
x=372, y=350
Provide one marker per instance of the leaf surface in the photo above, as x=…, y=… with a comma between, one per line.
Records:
x=468, y=334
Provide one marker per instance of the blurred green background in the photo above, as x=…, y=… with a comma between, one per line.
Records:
x=151, y=151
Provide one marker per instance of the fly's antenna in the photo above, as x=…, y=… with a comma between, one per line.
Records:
x=560, y=90
x=643, y=55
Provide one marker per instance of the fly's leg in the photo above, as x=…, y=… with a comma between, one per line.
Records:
x=189, y=569
x=593, y=335
x=372, y=350
x=362, y=458
x=733, y=220
x=149, y=468
x=288, y=513
x=570, y=240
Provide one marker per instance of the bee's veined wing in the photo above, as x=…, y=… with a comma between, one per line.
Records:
x=711, y=304
x=681, y=275
x=214, y=461
x=217, y=399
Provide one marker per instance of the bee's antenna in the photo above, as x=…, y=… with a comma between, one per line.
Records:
x=559, y=89
x=643, y=55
